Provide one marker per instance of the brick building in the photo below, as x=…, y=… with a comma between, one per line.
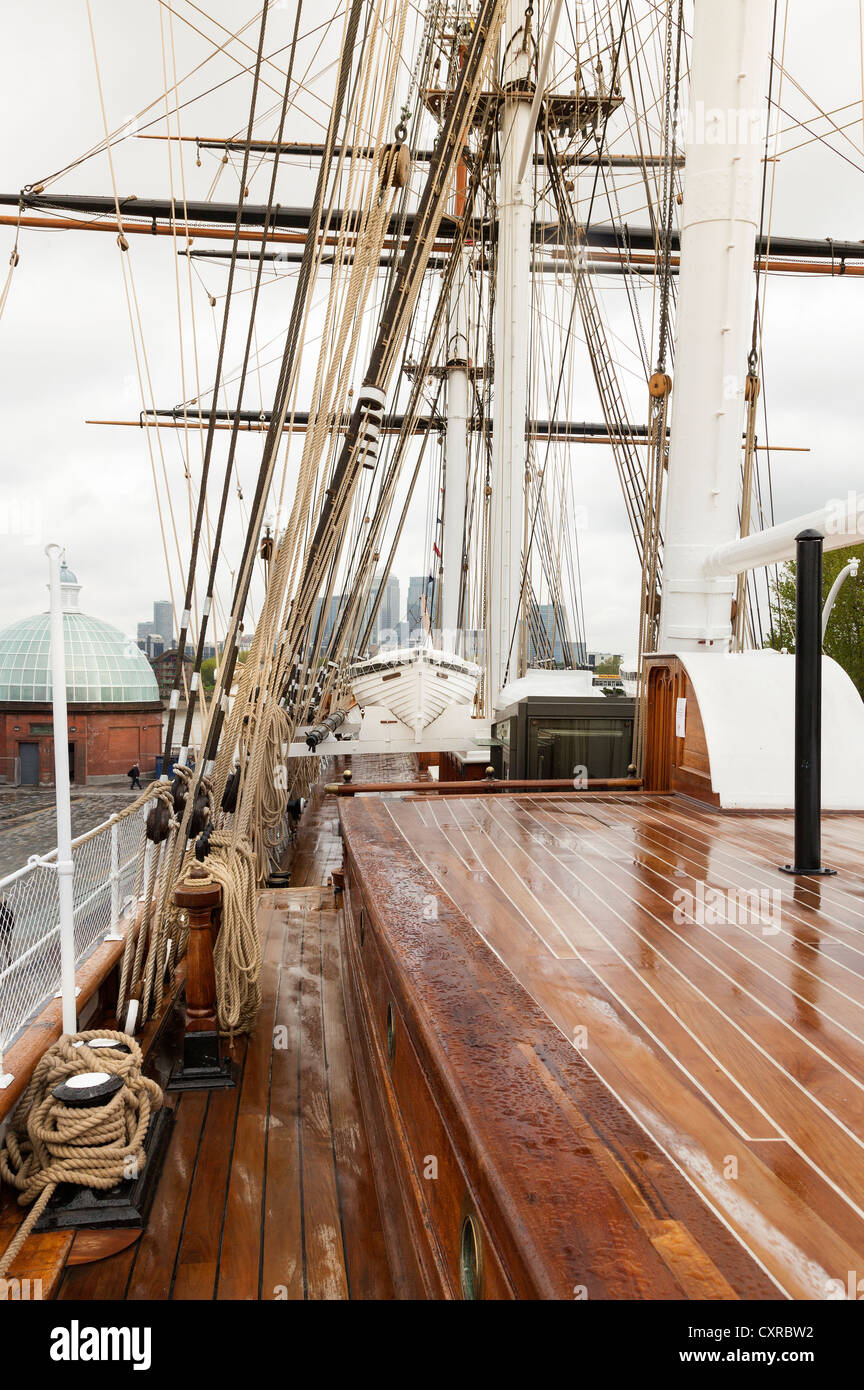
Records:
x=163, y=668
x=114, y=710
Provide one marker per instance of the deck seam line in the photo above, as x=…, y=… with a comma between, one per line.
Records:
x=228, y=1172
x=818, y=890
x=140, y=1239
x=662, y=851
x=805, y=1157
x=299, y=1105
x=754, y=867
x=469, y=869
x=276, y=997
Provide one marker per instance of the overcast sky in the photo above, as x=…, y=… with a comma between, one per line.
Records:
x=66, y=351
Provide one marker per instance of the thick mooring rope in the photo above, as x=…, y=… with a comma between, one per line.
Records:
x=48, y=1142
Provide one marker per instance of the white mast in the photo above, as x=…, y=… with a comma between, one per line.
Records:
x=512, y=325
x=720, y=215
x=455, y=459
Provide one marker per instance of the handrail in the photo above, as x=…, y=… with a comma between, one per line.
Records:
x=481, y=785
x=106, y=865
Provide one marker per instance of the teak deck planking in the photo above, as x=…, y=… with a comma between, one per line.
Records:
x=737, y=1055
x=267, y=1189
x=740, y=1054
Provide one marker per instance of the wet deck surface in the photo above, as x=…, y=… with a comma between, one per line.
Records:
x=268, y=1191
x=731, y=1028
x=318, y=850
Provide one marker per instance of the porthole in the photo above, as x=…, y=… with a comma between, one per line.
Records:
x=391, y=1032
x=470, y=1259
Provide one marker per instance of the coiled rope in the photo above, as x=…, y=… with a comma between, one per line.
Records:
x=49, y=1142
x=237, y=950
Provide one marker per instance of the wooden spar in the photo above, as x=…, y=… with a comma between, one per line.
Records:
x=175, y=229
x=201, y=219
x=303, y=150
x=599, y=260
x=421, y=428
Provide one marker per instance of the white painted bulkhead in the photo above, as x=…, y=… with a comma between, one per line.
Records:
x=747, y=704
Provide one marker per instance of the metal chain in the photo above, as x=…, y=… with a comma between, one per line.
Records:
x=670, y=121
x=413, y=82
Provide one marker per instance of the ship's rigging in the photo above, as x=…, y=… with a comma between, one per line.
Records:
x=391, y=243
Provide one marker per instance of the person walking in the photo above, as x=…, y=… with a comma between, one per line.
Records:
x=134, y=775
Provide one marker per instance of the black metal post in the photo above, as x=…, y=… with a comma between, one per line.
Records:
x=808, y=706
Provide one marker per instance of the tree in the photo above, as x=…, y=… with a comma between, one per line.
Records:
x=609, y=667
x=208, y=673
x=844, y=639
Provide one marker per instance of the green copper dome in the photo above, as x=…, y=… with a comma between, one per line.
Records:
x=102, y=666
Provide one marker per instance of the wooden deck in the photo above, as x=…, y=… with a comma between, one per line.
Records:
x=267, y=1190
x=732, y=1033
x=710, y=1120
x=318, y=850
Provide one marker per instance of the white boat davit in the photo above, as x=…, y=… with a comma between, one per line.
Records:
x=417, y=684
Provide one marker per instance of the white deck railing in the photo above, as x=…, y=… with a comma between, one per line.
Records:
x=105, y=861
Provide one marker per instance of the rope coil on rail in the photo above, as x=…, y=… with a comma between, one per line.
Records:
x=49, y=1142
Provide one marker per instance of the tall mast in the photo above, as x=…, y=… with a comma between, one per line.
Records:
x=455, y=460
x=456, y=441
x=512, y=324
x=720, y=217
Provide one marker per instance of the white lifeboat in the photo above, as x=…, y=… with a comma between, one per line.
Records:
x=417, y=684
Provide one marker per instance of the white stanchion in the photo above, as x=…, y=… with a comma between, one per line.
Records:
x=64, y=865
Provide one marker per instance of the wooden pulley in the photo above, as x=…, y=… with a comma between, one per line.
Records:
x=229, y=796
x=130, y=1022
x=266, y=551
x=157, y=823
x=752, y=387
x=202, y=844
x=659, y=385
x=200, y=814
x=178, y=791
x=396, y=165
